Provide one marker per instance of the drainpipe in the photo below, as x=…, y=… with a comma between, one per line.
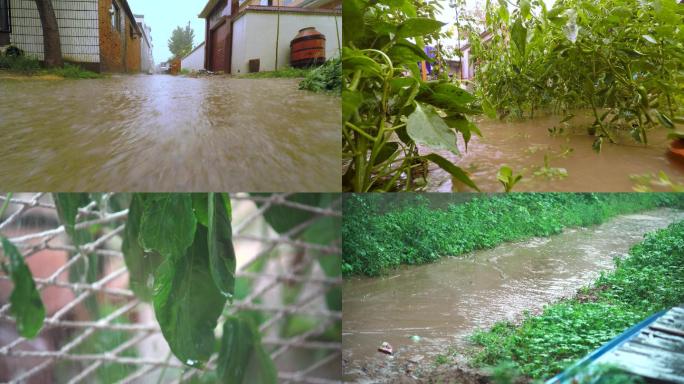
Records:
x=277, y=35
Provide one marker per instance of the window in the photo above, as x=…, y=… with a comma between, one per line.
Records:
x=116, y=16
x=4, y=16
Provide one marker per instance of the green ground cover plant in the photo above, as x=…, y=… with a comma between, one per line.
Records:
x=649, y=280
x=414, y=233
x=287, y=72
x=326, y=78
x=14, y=61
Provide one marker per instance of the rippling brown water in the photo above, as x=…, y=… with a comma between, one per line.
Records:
x=523, y=144
x=444, y=301
x=164, y=133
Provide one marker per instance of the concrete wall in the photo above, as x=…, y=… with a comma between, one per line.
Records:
x=119, y=50
x=254, y=37
x=195, y=60
x=78, y=27
x=146, y=59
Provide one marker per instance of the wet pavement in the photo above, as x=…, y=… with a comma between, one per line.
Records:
x=165, y=133
x=443, y=302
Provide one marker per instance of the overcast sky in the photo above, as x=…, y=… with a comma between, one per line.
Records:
x=163, y=16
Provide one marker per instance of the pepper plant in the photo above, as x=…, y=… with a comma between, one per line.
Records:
x=389, y=112
x=622, y=59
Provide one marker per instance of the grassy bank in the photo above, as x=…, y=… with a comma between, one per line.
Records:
x=326, y=78
x=25, y=66
x=416, y=234
x=650, y=279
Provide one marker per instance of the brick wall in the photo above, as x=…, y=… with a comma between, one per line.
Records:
x=119, y=49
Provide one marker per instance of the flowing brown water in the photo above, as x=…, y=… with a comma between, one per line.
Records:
x=444, y=301
x=522, y=146
x=164, y=133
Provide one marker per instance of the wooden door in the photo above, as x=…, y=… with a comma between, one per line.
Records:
x=218, y=48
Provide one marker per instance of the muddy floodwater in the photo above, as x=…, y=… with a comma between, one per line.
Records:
x=445, y=301
x=165, y=133
x=522, y=145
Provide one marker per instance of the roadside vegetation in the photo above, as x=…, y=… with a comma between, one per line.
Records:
x=649, y=280
x=377, y=241
x=287, y=72
x=16, y=63
x=325, y=78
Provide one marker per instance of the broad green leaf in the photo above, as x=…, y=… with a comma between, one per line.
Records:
x=67, y=205
x=168, y=224
x=418, y=26
x=141, y=265
x=426, y=127
x=450, y=167
x=26, y=304
x=519, y=36
x=199, y=205
x=284, y=218
x=187, y=303
x=353, y=25
x=353, y=60
x=242, y=358
x=351, y=101
x=525, y=7
x=664, y=119
x=463, y=125
x=221, y=252
x=447, y=94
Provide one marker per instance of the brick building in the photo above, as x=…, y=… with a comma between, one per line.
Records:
x=99, y=35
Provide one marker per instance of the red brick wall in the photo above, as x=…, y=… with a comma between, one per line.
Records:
x=119, y=51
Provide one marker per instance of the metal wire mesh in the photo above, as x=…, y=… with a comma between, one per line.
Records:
x=124, y=343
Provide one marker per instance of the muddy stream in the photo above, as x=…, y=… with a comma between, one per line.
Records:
x=165, y=133
x=443, y=302
x=522, y=145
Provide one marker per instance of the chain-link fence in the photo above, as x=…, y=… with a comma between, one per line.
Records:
x=97, y=330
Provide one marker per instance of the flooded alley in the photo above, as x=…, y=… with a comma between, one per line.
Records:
x=165, y=133
x=424, y=310
x=563, y=161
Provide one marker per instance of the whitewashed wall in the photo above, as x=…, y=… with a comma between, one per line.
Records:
x=254, y=37
x=195, y=60
x=78, y=28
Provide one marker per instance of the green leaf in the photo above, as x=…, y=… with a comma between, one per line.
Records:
x=353, y=60
x=187, y=303
x=664, y=119
x=168, y=224
x=242, y=358
x=353, y=25
x=351, y=101
x=332, y=266
x=141, y=265
x=676, y=135
x=418, y=26
x=426, y=127
x=283, y=218
x=650, y=39
x=519, y=36
x=67, y=205
x=221, y=252
x=386, y=152
x=199, y=205
x=450, y=167
x=26, y=305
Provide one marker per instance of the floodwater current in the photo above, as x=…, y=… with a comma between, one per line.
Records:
x=443, y=302
x=165, y=133
x=522, y=145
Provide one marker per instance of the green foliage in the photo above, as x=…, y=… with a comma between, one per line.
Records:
x=242, y=359
x=27, y=306
x=29, y=66
x=621, y=58
x=165, y=214
x=287, y=72
x=187, y=302
x=326, y=78
x=181, y=40
x=416, y=234
x=21, y=64
x=507, y=178
x=650, y=279
x=387, y=108
x=221, y=252
x=71, y=71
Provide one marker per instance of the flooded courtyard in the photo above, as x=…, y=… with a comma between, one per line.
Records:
x=563, y=161
x=165, y=133
x=422, y=311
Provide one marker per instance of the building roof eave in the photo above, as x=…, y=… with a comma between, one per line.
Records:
x=206, y=11
x=128, y=11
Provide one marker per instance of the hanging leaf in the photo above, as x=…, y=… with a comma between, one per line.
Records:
x=283, y=218
x=200, y=206
x=242, y=358
x=141, y=265
x=187, y=303
x=26, y=304
x=418, y=26
x=67, y=205
x=221, y=252
x=519, y=36
x=427, y=128
x=450, y=167
x=168, y=224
